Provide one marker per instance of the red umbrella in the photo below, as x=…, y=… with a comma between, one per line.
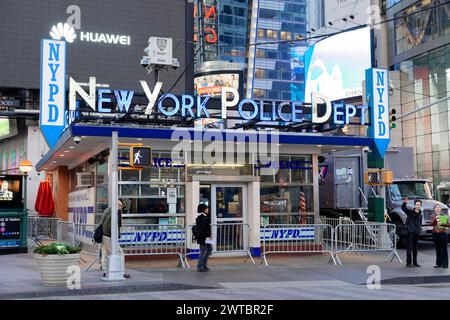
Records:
x=44, y=201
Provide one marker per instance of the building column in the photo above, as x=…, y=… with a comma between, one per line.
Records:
x=254, y=218
x=192, y=194
x=315, y=168
x=61, y=188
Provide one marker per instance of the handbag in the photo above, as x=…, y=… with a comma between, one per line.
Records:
x=98, y=234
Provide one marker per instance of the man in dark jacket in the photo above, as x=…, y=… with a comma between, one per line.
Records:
x=204, y=223
x=414, y=225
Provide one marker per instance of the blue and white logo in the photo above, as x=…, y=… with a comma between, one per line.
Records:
x=53, y=90
x=377, y=93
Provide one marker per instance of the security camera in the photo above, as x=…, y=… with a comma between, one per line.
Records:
x=145, y=62
x=77, y=139
x=366, y=149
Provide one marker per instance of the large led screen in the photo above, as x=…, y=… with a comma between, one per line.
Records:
x=336, y=65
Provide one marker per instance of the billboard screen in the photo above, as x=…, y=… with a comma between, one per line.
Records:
x=107, y=40
x=8, y=128
x=334, y=70
x=210, y=84
x=10, y=192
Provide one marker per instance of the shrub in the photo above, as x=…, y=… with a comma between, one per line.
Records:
x=56, y=248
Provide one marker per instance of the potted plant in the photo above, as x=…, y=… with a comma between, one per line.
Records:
x=53, y=260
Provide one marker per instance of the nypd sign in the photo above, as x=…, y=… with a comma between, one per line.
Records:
x=377, y=92
x=146, y=237
x=53, y=90
x=285, y=234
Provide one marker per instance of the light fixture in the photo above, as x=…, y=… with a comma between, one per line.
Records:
x=333, y=150
x=71, y=147
x=25, y=166
x=66, y=151
x=61, y=155
x=139, y=139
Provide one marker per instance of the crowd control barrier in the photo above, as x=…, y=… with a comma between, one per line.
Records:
x=41, y=229
x=295, y=238
x=153, y=239
x=366, y=236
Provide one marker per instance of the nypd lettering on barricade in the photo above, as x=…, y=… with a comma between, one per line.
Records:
x=377, y=91
x=151, y=237
x=53, y=90
x=279, y=234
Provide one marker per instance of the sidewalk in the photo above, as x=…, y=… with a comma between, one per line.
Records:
x=23, y=279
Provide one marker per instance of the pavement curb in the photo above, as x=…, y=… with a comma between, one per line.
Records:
x=100, y=291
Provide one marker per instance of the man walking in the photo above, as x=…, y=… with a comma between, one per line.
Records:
x=204, y=224
x=106, y=240
x=414, y=225
x=440, y=223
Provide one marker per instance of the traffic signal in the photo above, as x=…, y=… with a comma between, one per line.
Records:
x=393, y=118
x=140, y=157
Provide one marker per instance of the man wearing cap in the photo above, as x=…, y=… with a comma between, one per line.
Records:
x=204, y=223
x=414, y=225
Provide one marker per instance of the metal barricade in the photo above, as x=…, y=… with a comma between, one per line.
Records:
x=366, y=236
x=42, y=229
x=153, y=239
x=66, y=232
x=295, y=238
x=84, y=234
x=333, y=222
x=229, y=238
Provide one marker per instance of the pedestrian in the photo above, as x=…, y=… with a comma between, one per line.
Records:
x=440, y=223
x=203, y=222
x=414, y=226
x=106, y=239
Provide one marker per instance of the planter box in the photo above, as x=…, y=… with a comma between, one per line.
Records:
x=53, y=268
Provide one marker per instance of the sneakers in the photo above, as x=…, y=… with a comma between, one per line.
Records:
x=409, y=266
x=207, y=269
x=125, y=275
x=445, y=267
x=202, y=270
x=417, y=265
x=437, y=266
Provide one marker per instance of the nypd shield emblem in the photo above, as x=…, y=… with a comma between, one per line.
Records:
x=161, y=43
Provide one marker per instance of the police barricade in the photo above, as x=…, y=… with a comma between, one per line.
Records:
x=66, y=232
x=42, y=229
x=228, y=239
x=366, y=236
x=297, y=238
x=333, y=222
x=153, y=239
x=84, y=234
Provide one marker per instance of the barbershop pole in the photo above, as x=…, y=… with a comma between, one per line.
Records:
x=115, y=263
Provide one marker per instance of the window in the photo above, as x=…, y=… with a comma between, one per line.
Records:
x=272, y=34
x=260, y=73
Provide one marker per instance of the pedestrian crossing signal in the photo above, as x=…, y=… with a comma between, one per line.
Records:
x=140, y=157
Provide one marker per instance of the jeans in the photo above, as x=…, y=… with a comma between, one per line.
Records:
x=440, y=242
x=413, y=241
x=205, y=252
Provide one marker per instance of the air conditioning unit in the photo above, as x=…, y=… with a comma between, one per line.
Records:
x=85, y=179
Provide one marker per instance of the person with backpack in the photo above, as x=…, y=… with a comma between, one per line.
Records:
x=105, y=222
x=440, y=224
x=203, y=226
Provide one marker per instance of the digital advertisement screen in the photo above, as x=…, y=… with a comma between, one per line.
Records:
x=333, y=69
x=107, y=40
x=210, y=84
x=8, y=128
x=9, y=229
x=10, y=192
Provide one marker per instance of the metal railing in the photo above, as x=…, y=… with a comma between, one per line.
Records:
x=154, y=239
x=335, y=221
x=41, y=229
x=294, y=238
x=229, y=238
x=366, y=237
x=84, y=234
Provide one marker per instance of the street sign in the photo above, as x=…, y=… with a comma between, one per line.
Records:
x=140, y=157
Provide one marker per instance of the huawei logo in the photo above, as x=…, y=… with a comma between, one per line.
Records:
x=61, y=31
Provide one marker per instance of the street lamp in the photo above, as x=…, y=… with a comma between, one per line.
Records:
x=25, y=166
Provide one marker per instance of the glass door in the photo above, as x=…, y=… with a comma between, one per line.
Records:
x=229, y=217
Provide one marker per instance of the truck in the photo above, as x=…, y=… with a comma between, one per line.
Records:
x=343, y=193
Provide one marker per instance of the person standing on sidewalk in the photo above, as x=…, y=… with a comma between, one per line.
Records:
x=440, y=223
x=204, y=223
x=106, y=240
x=414, y=226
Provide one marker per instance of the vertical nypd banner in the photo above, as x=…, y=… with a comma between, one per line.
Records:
x=53, y=90
x=377, y=96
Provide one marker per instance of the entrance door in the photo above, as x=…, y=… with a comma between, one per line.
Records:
x=229, y=217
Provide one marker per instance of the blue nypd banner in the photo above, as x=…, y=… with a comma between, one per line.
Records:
x=53, y=90
x=285, y=234
x=151, y=237
x=377, y=96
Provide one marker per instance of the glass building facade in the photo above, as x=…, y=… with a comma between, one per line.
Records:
x=420, y=52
